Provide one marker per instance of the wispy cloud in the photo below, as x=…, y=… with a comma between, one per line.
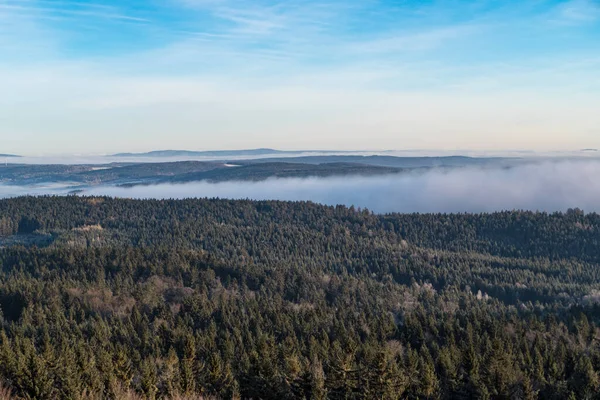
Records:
x=398, y=42
x=241, y=73
x=42, y=10
x=576, y=12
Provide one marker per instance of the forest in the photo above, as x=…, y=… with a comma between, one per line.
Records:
x=149, y=173
x=221, y=299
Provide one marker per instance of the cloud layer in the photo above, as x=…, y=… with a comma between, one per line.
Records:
x=549, y=186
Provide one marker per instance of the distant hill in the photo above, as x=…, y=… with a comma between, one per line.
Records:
x=262, y=171
x=133, y=173
x=9, y=155
x=387, y=161
x=215, y=153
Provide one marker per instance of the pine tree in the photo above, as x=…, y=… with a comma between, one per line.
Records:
x=122, y=368
x=317, y=380
x=170, y=375
x=585, y=380
x=429, y=380
x=149, y=379
x=38, y=382
x=188, y=380
x=528, y=391
x=8, y=361
x=69, y=381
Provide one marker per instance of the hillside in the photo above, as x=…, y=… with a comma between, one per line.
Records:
x=266, y=170
x=272, y=300
x=392, y=161
x=129, y=174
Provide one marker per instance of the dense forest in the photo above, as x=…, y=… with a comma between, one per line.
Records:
x=182, y=299
x=132, y=173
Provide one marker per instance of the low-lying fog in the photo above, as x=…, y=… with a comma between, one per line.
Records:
x=553, y=186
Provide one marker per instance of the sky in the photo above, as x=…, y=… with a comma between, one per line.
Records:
x=95, y=77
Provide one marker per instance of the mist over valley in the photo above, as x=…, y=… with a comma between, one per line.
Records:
x=380, y=183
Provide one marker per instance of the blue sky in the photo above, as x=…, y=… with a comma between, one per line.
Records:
x=105, y=76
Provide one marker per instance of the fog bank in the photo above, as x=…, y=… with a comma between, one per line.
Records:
x=546, y=187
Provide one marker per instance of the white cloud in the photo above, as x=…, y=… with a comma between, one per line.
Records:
x=575, y=12
x=547, y=186
x=284, y=75
x=423, y=40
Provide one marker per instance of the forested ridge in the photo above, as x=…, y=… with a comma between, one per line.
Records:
x=78, y=176
x=116, y=298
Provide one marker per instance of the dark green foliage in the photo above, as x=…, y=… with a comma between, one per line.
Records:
x=276, y=300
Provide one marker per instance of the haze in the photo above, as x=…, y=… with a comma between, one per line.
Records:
x=552, y=186
x=111, y=76
x=547, y=186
